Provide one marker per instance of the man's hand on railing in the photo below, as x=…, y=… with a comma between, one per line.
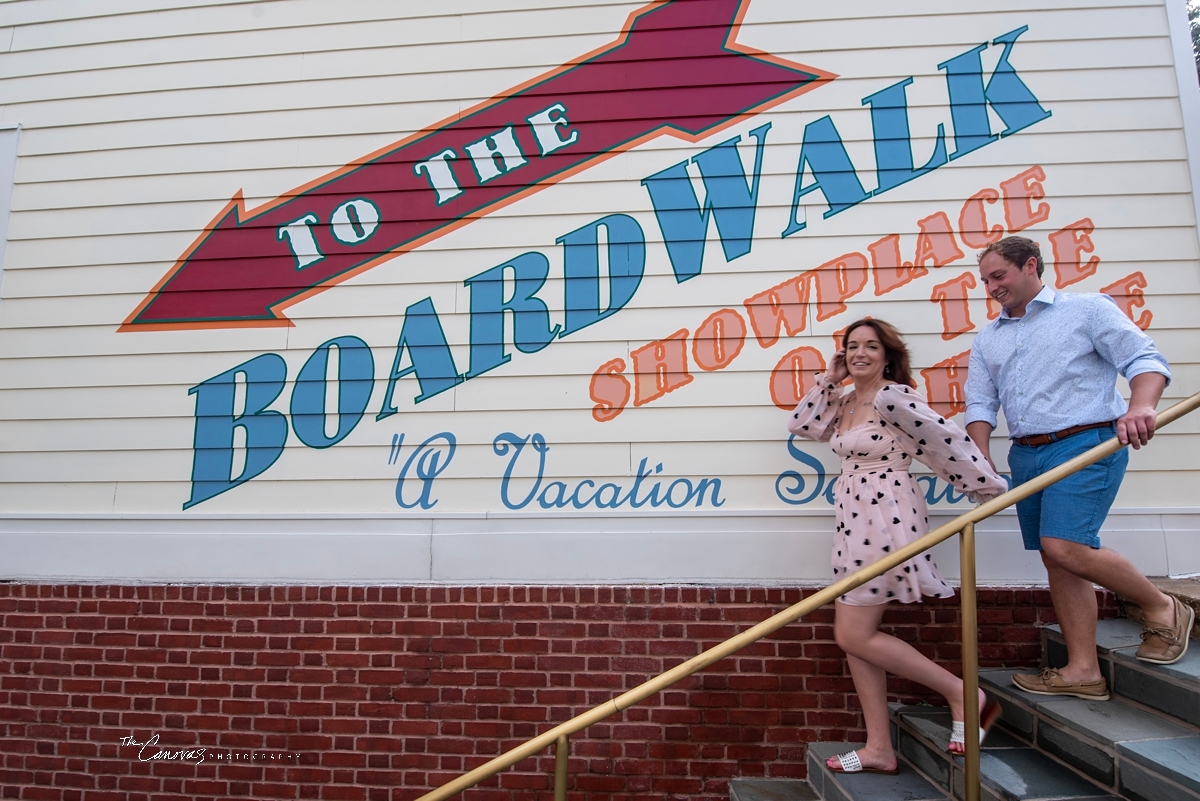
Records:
x=1136, y=426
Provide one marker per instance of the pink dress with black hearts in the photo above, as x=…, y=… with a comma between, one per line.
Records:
x=879, y=505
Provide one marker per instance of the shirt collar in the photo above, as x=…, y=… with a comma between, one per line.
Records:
x=1046, y=295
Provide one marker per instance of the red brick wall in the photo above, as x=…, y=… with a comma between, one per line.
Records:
x=385, y=692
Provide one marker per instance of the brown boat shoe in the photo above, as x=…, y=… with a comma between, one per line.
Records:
x=1164, y=645
x=1049, y=682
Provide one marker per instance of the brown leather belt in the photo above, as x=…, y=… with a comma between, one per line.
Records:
x=1046, y=439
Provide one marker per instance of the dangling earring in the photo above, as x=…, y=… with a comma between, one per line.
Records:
x=887, y=371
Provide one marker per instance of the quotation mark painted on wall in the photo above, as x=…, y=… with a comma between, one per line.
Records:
x=397, y=443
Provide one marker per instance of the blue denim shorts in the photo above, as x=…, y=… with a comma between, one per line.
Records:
x=1074, y=508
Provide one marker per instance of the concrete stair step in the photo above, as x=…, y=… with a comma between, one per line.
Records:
x=1171, y=689
x=908, y=784
x=1143, y=745
x=772, y=790
x=1011, y=769
x=1128, y=749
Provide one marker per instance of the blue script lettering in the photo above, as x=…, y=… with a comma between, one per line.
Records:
x=792, y=488
x=428, y=462
x=932, y=495
x=790, y=495
x=558, y=495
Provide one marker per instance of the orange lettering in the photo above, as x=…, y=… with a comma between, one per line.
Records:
x=1128, y=294
x=660, y=367
x=952, y=297
x=936, y=241
x=719, y=339
x=944, y=384
x=794, y=376
x=610, y=390
x=1067, y=244
x=836, y=281
x=784, y=305
x=889, y=272
x=972, y=220
x=1019, y=193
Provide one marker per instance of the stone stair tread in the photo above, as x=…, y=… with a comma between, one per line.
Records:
x=933, y=723
x=1113, y=634
x=1013, y=770
x=1186, y=669
x=1178, y=760
x=772, y=790
x=1108, y=722
x=1026, y=773
x=1171, y=689
x=1119, y=639
x=907, y=785
x=1111, y=722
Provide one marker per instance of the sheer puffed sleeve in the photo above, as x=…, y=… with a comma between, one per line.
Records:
x=938, y=443
x=816, y=415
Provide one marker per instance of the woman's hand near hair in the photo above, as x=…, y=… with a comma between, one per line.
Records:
x=837, y=367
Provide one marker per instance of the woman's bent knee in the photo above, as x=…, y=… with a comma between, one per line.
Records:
x=852, y=641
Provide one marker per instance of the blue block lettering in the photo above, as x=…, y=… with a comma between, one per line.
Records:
x=893, y=141
x=581, y=266
x=822, y=151
x=1012, y=100
x=531, y=318
x=266, y=430
x=728, y=198
x=431, y=360
x=355, y=377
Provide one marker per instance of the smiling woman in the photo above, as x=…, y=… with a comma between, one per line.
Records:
x=877, y=430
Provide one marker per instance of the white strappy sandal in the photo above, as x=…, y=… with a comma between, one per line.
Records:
x=849, y=763
x=958, y=729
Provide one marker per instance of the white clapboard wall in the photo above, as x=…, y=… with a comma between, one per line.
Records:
x=139, y=120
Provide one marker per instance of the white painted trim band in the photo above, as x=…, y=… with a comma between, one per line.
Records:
x=455, y=550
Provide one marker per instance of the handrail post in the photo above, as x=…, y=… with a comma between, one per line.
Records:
x=560, y=769
x=970, y=663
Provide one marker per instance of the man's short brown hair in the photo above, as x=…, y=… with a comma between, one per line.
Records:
x=1016, y=250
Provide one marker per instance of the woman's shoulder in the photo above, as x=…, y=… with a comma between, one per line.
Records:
x=895, y=398
x=891, y=389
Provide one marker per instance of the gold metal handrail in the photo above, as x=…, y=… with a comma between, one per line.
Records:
x=964, y=524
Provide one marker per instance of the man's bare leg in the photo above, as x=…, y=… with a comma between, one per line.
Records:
x=1072, y=569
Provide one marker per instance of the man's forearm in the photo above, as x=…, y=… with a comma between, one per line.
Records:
x=1146, y=389
x=980, y=433
x=1136, y=426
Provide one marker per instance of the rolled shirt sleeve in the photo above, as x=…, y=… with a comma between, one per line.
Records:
x=983, y=401
x=1122, y=343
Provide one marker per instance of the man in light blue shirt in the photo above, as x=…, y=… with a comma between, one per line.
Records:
x=1051, y=361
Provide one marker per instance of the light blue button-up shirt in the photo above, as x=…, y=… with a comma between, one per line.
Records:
x=1057, y=366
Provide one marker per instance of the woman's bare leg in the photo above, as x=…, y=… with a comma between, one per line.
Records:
x=857, y=631
x=870, y=682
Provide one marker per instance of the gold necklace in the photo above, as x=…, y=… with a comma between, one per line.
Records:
x=865, y=404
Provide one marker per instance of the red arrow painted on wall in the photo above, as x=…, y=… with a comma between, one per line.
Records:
x=675, y=70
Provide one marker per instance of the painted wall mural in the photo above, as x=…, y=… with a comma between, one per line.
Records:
x=677, y=69
x=572, y=261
